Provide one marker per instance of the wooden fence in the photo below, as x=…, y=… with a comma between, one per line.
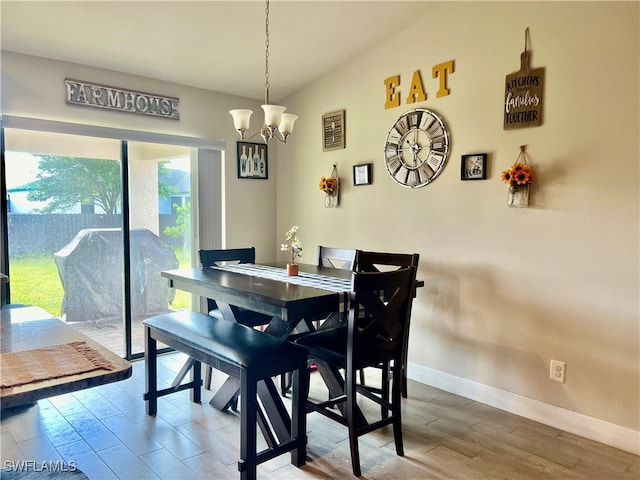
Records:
x=48, y=233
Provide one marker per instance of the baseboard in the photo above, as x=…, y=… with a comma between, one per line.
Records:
x=592, y=428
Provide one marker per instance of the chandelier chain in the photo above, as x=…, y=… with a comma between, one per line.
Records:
x=266, y=54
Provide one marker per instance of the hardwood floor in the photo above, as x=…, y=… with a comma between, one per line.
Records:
x=106, y=432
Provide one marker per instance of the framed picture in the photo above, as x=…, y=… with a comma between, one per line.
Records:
x=474, y=167
x=253, y=161
x=362, y=174
x=333, y=131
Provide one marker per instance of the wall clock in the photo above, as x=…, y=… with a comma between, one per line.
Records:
x=416, y=148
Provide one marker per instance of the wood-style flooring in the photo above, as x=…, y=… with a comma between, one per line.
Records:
x=106, y=432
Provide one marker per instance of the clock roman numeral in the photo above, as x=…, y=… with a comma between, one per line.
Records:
x=436, y=131
x=401, y=175
x=394, y=137
x=393, y=164
x=413, y=178
x=437, y=145
x=435, y=160
x=401, y=126
x=414, y=119
x=426, y=121
x=391, y=150
x=426, y=172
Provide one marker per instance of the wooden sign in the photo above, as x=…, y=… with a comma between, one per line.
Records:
x=524, y=94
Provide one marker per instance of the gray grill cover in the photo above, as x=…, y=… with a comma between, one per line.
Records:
x=91, y=266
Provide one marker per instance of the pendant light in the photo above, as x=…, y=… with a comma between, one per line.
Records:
x=275, y=120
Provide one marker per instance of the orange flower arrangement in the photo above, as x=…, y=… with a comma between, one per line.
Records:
x=328, y=185
x=518, y=174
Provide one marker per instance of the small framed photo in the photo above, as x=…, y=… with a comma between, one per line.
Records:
x=474, y=167
x=362, y=174
x=253, y=161
x=333, y=129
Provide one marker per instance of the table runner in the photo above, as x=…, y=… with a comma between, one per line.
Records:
x=20, y=368
x=315, y=280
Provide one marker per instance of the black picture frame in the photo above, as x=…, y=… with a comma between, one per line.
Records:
x=362, y=174
x=258, y=167
x=473, y=167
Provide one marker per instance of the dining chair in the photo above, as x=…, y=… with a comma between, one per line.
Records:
x=341, y=258
x=367, y=261
x=374, y=335
x=230, y=256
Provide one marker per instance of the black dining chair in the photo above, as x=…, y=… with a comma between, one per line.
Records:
x=331, y=257
x=374, y=335
x=341, y=258
x=367, y=261
x=219, y=257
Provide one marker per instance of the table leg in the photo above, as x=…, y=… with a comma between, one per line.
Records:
x=227, y=395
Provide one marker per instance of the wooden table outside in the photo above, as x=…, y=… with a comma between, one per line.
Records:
x=28, y=328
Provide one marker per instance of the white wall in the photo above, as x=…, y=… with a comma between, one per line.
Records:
x=33, y=87
x=506, y=289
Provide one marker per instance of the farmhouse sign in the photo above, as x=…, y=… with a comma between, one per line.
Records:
x=102, y=96
x=523, y=94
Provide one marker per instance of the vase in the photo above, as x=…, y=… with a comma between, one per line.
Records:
x=518, y=196
x=292, y=269
x=330, y=200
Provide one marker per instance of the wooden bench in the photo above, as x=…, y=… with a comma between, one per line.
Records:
x=253, y=357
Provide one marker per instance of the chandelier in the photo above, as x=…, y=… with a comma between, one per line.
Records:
x=275, y=120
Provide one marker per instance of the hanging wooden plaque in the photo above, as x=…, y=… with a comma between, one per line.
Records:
x=524, y=94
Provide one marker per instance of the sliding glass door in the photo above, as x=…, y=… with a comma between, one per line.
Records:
x=91, y=224
x=160, y=229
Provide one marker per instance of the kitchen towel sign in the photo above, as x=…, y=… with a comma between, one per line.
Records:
x=524, y=94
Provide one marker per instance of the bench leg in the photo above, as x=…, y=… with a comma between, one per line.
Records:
x=248, y=464
x=151, y=372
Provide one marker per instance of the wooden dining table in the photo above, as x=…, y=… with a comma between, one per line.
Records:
x=316, y=293
x=266, y=288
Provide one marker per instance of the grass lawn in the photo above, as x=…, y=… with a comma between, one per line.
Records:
x=35, y=281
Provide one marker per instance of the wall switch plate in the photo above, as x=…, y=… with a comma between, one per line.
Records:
x=556, y=370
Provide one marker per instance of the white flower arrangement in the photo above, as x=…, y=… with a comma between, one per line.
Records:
x=293, y=246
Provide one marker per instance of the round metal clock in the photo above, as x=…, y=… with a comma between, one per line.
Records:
x=416, y=149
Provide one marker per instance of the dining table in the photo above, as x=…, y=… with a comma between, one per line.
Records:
x=293, y=302
x=313, y=294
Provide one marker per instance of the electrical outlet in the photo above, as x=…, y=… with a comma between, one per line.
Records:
x=556, y=370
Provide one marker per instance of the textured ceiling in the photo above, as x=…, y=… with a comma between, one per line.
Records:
x=216, y=45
